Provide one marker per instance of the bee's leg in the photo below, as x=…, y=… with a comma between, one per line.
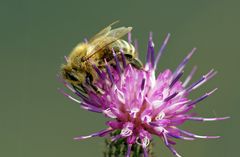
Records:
x=89, y=81
x=96, y=89
x=80, y=89
x=84, y=89
x=136, y=63
x=133, y=61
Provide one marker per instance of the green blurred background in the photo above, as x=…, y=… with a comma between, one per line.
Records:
x=37, y=121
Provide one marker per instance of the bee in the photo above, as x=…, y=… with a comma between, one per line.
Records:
x=79, y=67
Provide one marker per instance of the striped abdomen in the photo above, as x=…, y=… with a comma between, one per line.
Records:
x=128, y=51
x=125, y=46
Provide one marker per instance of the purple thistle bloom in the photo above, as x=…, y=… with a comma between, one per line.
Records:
x=142, y=105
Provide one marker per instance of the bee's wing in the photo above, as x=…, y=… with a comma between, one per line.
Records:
x=103, y=32
x=102, y=41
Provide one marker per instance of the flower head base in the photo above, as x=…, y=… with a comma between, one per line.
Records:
x=142, y=105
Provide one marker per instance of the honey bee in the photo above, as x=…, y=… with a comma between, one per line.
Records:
x=79, y=67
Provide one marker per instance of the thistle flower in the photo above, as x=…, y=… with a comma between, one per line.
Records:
x=141, y=104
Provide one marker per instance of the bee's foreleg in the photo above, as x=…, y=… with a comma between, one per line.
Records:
x=136, y=63
x=80, y=89
x=89, y=81
x=133, y=61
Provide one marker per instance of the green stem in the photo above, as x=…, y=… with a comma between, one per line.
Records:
x=119, y=148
